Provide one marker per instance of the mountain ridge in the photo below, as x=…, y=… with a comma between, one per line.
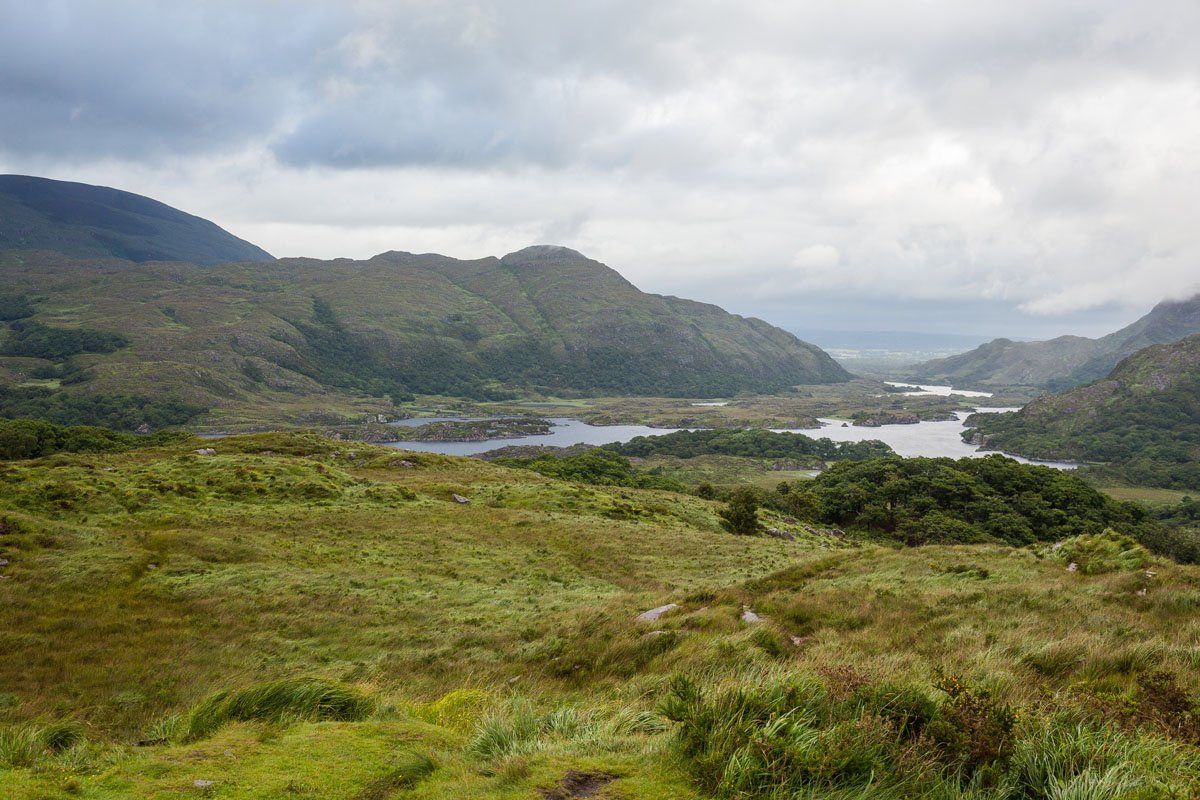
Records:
x=1142, y=420
x=88, y=221
x=1065, y=361
x=236, y=335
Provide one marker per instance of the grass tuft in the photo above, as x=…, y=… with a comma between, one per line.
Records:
x=278, y=701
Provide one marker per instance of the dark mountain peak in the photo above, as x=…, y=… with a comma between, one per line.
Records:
x=88, y=221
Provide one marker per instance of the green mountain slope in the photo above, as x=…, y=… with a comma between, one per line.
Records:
x=1143, y=419
x=99, y=222
x=269, y=335
x=1063, y=362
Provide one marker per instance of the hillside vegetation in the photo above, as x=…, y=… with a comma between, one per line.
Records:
x=322, y=336
x=98, y=222
x=1066, y=361
x=292, y=616
x=1142, y=421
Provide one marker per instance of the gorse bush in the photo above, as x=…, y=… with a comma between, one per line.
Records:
x=278, y=701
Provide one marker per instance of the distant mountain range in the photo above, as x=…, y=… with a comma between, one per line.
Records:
x=1063, y=362
x=1143, y=419
x=97, y=222
x=247, y=333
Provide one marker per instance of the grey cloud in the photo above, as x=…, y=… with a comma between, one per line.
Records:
x=1032, y=155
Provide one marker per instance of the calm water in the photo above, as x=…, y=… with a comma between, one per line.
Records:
x=566, y=432
x=933, y=439
x=940, y=391
x=922, y=439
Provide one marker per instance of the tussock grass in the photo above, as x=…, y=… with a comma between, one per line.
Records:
x=24, y=745
x=800, y=737
x=277, y=702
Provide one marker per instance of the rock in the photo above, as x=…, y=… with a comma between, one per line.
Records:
x=381, y=419
x=200, y=783
x=655, y=613
x=749, y=617
x=458, y=498
x=1072, y=567
x=205, y=451
x=3, y=562
x=144, y=429
x=406, y=464
x=781, y=534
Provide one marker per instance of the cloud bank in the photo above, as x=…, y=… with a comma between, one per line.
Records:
x=1023, y=166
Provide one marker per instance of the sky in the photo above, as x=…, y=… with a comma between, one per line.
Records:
x=1021, y=167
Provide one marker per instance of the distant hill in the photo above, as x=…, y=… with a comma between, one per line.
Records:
x=98, y=222
x=1143, y=419
x=323, y=332
x=1063, y=362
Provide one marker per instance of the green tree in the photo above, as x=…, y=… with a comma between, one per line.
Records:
x=740, y=515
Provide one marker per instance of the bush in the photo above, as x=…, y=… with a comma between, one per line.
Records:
x=34, y=340
x=740, y=515
x=115, y=411
x=943, y=501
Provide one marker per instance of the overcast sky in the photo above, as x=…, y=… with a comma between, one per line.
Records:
x=1018, y=167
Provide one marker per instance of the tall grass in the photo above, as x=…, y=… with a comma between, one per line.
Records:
x=800, y=738
x=277, y=701
x=25, y=745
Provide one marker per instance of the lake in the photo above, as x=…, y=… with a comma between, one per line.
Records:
x=931, y=439
x=565, y=433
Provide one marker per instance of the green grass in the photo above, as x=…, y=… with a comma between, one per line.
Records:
x=298, y=617
x=1146, y=495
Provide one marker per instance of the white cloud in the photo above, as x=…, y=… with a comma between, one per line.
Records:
x=1038, y=155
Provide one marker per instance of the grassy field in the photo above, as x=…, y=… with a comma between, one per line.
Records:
x=433, y=649
x=729, y=470
x=1147, y=495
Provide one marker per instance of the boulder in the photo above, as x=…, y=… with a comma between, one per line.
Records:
x=749, y=617
x=655, y=613
x=205, y=451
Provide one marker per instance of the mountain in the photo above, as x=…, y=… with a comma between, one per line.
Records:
x=1143, y=420
x=98, y=222
x=1062, y=362
x=322, y=333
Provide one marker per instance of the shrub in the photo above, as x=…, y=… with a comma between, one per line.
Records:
x=740, y=515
